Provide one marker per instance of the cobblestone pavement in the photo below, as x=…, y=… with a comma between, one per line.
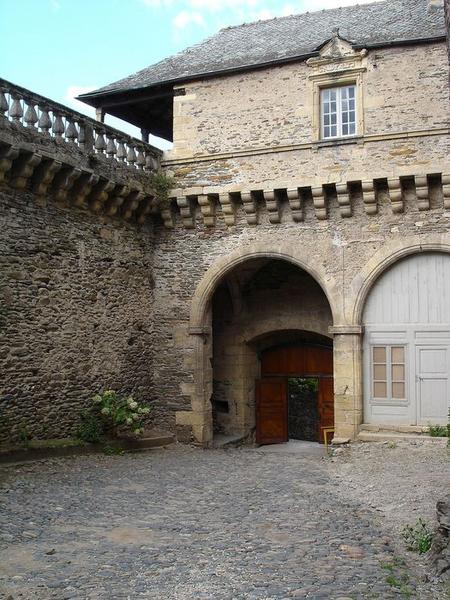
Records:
x=183, y=523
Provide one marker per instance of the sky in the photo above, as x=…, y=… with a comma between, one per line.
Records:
x=62, y=48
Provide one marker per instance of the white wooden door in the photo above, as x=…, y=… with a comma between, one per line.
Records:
x=433, y=391
x=409, y=307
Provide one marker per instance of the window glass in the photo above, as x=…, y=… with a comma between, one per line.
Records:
x=338, y=112
x=379, y=354
x=388, y=372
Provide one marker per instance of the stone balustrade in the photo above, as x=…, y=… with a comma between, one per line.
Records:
x=60, y=155
x=49, y=118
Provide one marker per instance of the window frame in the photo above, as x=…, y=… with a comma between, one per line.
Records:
x=339, y=112
x=390, y=381
x=344, y=78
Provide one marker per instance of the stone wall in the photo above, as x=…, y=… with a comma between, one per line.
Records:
x=75, y=314
x=403, y=89
x=447, y=20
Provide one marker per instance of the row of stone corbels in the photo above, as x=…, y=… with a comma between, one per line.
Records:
x=48, y=177
x=28, y=110
x=296, y=196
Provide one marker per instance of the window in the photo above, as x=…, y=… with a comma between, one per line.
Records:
x=388, y=373
x=338, y=112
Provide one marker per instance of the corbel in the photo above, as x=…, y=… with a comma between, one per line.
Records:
x=131, y=203
x=82, y=188
x=295, y=202
x=446, y=190
x=7, y=156
x=167, y=213
x=343, y=198
x=228, y=208
x=272, y=205
x=249, y=205
x=23, y=169
x=396, y=195
x=320, y=207
x=99, y=194
x=144, y=209
x=186, y=211
x=63, y=182
x=116, y=199
x=422, y=192
x=369, y=197
x=44, y=176
x=208, y=209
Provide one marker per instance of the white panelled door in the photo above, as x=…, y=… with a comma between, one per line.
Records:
x=432, y=374
x=407, y=343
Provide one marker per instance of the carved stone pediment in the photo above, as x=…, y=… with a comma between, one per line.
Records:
x=337, y=53
x=336, y=47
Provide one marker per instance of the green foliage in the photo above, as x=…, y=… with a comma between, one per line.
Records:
x=25, y=436
x=116, y=411
x=91, y=428
x=438, y=430
x=418, y=538
x=112, y=450
x=162, y=184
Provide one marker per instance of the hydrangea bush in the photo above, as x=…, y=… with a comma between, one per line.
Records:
x=120, y=411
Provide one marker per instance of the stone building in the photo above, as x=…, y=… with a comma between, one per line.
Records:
x=298, y=276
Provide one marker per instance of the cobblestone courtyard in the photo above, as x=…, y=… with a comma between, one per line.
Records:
x=183, y=523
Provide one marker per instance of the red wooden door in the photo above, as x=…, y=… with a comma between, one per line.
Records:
x=271, y=411
x=326, y=404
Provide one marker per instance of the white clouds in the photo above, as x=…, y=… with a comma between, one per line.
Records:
x=221, y=5
x=210, y=15
x=313, y=5
x=70, y=99
x=186, y=17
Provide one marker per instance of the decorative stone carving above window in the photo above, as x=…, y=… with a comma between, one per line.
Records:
x=338, y=64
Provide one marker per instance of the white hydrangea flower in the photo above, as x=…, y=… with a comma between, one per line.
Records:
x=132, y=403
x=129, y=421
x=105, y=410
x=96, y=399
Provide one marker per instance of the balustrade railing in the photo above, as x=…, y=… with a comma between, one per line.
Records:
x=30, y=110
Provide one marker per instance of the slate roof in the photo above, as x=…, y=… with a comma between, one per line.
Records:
x=285, y=38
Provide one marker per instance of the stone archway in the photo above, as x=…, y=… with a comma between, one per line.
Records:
x=363, y=284
x=200, y=419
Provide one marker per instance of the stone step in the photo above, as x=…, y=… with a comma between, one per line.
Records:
x=394, y=428
x=58, y=448
x=392, y=436
x=227, y=441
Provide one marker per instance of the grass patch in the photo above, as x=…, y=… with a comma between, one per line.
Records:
x=418, y=538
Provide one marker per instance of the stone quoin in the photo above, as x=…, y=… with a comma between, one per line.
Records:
x=310, y=219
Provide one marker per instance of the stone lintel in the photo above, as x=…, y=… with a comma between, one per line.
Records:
x=346, y=330
x=202, y=331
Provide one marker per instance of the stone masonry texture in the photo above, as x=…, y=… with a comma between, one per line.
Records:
x=91, y=302
x=75, y=314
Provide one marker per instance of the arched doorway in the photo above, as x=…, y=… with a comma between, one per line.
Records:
x=264, y=308
x=294, y=397
x=407, y=343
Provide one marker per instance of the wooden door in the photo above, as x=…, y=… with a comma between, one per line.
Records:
x=271, y=411
x=326, y=404
x=433, y=384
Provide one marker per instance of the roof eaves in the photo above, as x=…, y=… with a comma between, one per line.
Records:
x=248, y=67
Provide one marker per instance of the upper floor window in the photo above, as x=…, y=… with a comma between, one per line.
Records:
x=338, y=112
